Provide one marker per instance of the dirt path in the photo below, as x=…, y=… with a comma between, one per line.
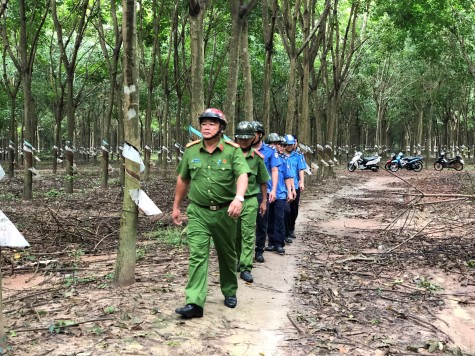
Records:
x=335, y=291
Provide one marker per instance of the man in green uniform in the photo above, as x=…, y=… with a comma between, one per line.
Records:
x=257, y=183
x=215, y=173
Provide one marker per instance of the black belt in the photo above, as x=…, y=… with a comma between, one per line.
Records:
x=251, y=196
x=214, y=207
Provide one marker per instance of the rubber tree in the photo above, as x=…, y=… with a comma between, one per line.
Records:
x=11, y=82
x=31, y=20
x=239, y=15
x=69, y=56
x=125, y=263
x=269, y=14
x=197, y=9
x=111, y=52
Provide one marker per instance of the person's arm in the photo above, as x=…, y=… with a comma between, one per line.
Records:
x=263, y=207
x=235, y=207
x=275, y=178
x=289, y=183
x=180, y=193
x=301, y=180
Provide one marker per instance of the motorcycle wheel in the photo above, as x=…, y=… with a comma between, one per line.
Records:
x=394, y=167
x=351, y=167
x=458, y=166
x=417, y=167
x=438, y=166
x=375, y=168
x=387, y=166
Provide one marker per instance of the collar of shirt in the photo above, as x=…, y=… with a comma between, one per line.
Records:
x=220, y=145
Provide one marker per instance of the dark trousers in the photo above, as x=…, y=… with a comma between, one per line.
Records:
x=276, y=223
x=294, y=212
x=287, y=219
x=261, y=228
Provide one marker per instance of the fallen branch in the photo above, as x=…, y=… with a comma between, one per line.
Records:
x=440, y=195
x=409, y=238
x=294, y=324
x=440, y=201
x=65, y=326
x=356, y=258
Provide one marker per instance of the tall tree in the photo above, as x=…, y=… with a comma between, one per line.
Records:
x=69, y=56
x=197, y=9
x=29, y=33
x=269, y=14
x=111, y=52
x=125, y=264
x=11, y=82
x=239, y=15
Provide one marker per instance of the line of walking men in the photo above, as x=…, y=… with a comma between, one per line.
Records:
x=239, y=192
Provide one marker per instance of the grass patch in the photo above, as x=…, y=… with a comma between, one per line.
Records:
x=172, y=236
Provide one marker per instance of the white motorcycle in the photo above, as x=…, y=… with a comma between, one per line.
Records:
x=362, y=163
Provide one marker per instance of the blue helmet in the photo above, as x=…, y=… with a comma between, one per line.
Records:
x=289, y=140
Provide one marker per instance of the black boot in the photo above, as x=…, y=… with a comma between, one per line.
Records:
x=190, y=311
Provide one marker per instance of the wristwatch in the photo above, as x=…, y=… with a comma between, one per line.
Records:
x=240, y=198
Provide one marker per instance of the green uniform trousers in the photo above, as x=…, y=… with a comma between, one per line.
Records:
x=204, y=224
x=246, y=233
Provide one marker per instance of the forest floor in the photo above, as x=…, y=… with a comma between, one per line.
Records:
x=382, y=264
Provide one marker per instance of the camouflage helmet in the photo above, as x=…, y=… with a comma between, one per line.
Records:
x=244, y=130
x=213, y=113
x=273, y=137
x=258, y=127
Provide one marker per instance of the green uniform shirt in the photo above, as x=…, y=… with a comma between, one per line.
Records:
x=258, y=174
x=213, y=175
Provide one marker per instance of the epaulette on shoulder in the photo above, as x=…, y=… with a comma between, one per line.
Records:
x=193, y=143
x=259, y=154
x=234, y=144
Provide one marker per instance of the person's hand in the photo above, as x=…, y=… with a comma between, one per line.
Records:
x=290, y=197
x=272, y=196
x=301, y=186
x=234, y=209
x=176, y=216
x=263, y=208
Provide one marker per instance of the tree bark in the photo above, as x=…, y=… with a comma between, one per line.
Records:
x=239, y=14
x=125, y=263
x=268, y=22
x=112, y=61
x=197, y=9
x=246, y=70
x=69, y=58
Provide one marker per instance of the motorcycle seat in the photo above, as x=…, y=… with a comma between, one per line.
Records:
x=370, y=158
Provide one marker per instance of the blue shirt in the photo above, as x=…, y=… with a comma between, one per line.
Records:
x=284, y=173
x=296, y=162
x=271, y=160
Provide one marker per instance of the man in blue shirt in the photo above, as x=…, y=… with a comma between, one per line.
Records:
x=297, y=164
x=284, y=194
x=272, y=163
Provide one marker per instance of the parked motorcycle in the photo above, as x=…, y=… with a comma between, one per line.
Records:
x=359, y=162
x=442, y=162
x=410, y=163
x=387, y=166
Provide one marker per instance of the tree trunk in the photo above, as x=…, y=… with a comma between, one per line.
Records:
x=246, y=70
x=197, y=10
x=268, y=23
x=28, y=112
x=233, y=64
x=12, y=148
x=239, y=14
x=125, y=263
x=69, y=58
